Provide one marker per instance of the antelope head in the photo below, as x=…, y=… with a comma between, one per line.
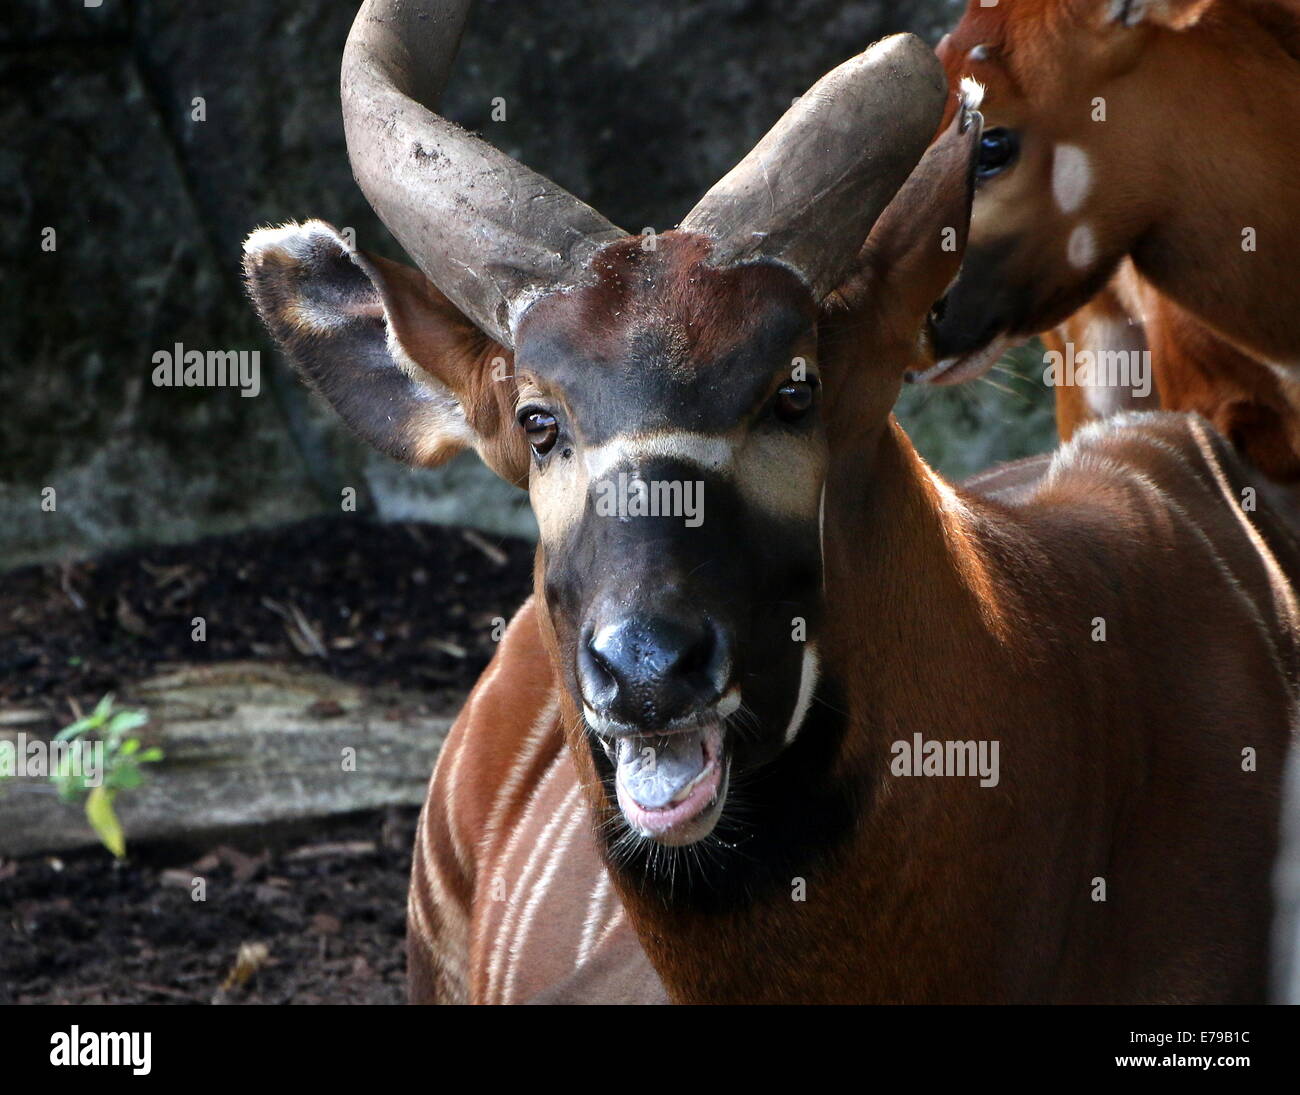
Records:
x=581, y=361
x=1079, y=108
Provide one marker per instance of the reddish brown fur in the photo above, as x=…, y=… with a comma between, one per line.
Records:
x=473, y=366
x=1104, y=323
x=713, y=309
x=1121, y=759
x=1200, y=98
x=1194, y=370
x=1123, y=762
x=1199, y=143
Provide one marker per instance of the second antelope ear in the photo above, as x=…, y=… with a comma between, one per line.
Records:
x=916, y=247
x=394, y=357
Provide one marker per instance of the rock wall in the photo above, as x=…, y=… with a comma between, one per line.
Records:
x=142, y=141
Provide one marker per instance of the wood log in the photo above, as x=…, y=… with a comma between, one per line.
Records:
x=245, y=744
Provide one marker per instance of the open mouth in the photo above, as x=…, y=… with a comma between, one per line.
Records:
x=671, y=784
x=955, y=370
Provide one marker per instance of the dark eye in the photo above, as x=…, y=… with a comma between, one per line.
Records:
x=541, y=430
x=793, y=400
x=998, y=150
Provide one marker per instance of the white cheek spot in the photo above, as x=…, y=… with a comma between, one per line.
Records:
x=730, y=702
x=1081, y=248
x=559, y=497
x=1071, y=177
x=821, y=529
x=807, y=682
x=780, y=476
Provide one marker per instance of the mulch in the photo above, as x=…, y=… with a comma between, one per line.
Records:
x=317, y=922
x=399, y=605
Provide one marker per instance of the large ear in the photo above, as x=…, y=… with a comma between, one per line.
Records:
x=398, y=361
x=916, y=247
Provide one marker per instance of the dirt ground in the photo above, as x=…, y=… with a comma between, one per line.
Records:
x=330, y=914
x=401, y=605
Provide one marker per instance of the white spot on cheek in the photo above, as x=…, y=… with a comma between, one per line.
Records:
x=1081, y=248
x=1071, y=177
x=729, y=703
x=821, y=530
x=807, y=682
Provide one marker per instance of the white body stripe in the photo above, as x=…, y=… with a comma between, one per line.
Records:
x=497, y=961
x=574, y=808
x=596, y=915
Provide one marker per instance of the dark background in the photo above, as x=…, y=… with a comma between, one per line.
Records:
x=635, y=106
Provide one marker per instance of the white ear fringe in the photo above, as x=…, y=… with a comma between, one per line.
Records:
x=293, y=239
x=972, y=93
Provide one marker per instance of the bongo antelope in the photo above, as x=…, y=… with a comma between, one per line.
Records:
x=679, y=778
x=1161, y=130
x=1190, y=369
x=1108, y=326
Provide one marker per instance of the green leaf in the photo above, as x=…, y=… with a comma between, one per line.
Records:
x=71, y=786
x=153, y=753
x=102, y=818
x=125, y=777
x=128, y=747
x=127, y=720
x=75, y=730
x=103, y=708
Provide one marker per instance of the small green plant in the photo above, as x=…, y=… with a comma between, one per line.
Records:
x=121, y=771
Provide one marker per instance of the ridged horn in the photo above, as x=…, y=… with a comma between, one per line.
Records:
x=489, y=232
x=811, y=189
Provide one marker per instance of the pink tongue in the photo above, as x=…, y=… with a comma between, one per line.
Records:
x=654, y=770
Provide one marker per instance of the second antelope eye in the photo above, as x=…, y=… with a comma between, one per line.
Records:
x=541, y=430
x=794, y=400
x=998, y=150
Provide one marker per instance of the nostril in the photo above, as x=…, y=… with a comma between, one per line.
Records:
x=668, y=666
x=696, y=657
x=598, y=677
x=710, y=658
